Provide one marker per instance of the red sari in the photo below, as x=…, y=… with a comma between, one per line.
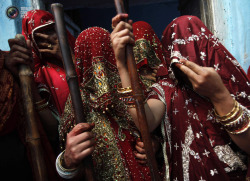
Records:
x=49, y=77
x=196, y=146
x=98, y=76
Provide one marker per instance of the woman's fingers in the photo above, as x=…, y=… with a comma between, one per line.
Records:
x=42, y=36
x=86, y=152
x=21, y=49
x=140, y=149
x=123, y=25
x=192, y=66
x=139, y=156
x=187, y=71
x=44, y=45
x=74, y=155
x=15, y=41
x=80, y=143
x=81, y=127
x=83, y=137
x=123, y=38
x=80, y=133
x=118, y=18
x=86, y=144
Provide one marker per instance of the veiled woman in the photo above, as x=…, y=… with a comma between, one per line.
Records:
x=116, y=135
x=201, y=101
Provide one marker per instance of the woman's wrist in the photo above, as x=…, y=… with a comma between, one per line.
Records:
x=223, y=104
x=121, y=66
x=64, y=172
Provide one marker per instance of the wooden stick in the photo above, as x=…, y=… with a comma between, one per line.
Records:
x=32, y=133
x=72, y=78
x=139, y=103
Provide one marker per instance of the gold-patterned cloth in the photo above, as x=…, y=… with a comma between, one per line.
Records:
x=148, y=52
x=98, y=76
x=111, y=125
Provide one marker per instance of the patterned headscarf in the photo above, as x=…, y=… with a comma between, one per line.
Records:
x=50, y=77
x=196, y=145
x=98, y=76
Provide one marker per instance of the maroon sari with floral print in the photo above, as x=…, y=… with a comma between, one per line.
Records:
x=196, y=146
x=98, y=76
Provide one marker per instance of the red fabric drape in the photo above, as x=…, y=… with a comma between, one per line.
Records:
x=47, y=75
x=197, y=147
x=98, y=77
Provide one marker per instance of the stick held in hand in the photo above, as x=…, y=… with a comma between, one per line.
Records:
x=71, y=77
x=32, y=135
x=139, y=102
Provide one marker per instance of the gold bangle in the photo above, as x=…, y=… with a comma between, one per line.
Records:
x=234, y=119
x=241, y=130
x=122, y=90
x=241, y=124
x=228, y=115
x=236, y=113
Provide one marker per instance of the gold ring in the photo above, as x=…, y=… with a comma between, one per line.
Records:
x=49, y=46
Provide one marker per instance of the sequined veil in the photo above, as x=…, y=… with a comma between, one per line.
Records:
x=98, y=76
x=196, y=146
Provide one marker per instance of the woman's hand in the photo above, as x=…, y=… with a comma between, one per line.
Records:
x=140, y=154
x=48, y=45
x=149, y=73
x=19, y=54
x=80, y=144
x=207, y=82
x=120, y=37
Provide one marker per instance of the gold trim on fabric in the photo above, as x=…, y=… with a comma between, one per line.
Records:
x=101, y=104
x=144, y=50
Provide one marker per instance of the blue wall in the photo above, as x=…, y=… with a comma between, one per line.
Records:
x=232, y=24
x=10, y=27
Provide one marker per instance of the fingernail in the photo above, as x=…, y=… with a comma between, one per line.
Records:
x=178, y=65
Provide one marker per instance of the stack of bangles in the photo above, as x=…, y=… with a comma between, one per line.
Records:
x=126, y=96
x=41, y=105
x=64, y=172
x=237, y=121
